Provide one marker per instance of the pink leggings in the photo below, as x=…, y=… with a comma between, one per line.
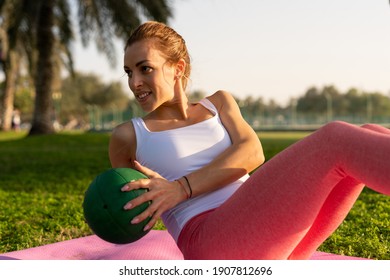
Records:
x=291, y=204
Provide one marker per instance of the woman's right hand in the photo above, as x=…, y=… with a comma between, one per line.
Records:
x=162, y=193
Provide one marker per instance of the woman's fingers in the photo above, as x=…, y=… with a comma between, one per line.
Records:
x=153, y=197
x=151, y=212
x=162, y=195
x=148, y=172
x=145, y=197
x=137, y=184
x=153, y=220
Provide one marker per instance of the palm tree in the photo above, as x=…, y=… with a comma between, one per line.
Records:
x=16, y=42
x=18, y=34
x=101, y=19
x=9, y=61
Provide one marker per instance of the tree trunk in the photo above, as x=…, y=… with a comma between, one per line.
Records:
x=42, y=117
x=11, y=73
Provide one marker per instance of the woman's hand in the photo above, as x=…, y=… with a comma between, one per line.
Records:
x=162, y=193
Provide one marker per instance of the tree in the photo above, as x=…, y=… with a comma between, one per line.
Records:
x=83, y=91
x=311, y=102
x=19, y=22
x=9, y=62
x=104, y=19
x=16, y=41
x=42, y=123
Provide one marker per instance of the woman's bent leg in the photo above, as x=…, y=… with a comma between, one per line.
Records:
x=333, y=212
x=271, y=214
x=331, y=215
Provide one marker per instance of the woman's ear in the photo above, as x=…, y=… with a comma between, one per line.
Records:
x=180, y=69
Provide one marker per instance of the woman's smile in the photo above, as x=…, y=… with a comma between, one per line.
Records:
x=142, y=96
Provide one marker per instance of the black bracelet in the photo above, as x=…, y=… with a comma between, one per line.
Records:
x=181, y=185
x=189, y=186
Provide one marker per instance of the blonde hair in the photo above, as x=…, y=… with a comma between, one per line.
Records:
x=167, y=41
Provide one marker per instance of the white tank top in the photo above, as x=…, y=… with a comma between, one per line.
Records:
x=177, y=152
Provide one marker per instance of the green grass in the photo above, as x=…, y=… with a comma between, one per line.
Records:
x=43, y=179
x=42, y=182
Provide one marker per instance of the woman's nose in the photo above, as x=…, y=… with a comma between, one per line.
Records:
x=135, y=82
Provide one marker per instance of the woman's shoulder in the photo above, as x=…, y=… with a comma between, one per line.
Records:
x=221, y=98
x=123, y=134
x=122, y=145
x=123, y=130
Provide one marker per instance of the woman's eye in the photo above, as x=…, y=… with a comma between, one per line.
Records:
x=146, y=69
x=128, y=73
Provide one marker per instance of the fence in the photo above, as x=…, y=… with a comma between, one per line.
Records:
x=103, y=120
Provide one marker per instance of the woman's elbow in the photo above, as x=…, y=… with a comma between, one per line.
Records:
x=260, y=157
x=257, y=155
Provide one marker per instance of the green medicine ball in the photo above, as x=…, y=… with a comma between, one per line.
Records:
x=103, y=206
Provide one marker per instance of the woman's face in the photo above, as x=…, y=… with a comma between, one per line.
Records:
x=150, y=77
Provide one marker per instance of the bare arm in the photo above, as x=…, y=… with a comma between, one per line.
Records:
x=244, y=155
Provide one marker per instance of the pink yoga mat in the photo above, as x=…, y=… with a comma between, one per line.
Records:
x=156, y=245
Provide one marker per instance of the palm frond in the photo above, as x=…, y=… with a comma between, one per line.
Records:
x=158, y=10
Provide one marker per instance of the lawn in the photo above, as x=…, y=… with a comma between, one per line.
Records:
x=43, y=179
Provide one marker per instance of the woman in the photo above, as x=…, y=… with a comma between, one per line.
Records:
x=198, y=156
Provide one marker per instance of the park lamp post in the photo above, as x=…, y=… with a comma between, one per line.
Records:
x=369, y=108
x=329, y=109
x=294, y=104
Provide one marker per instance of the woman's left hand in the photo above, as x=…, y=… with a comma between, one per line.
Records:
x=162, y=193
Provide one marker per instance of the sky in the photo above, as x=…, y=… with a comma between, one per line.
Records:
x=274, y=49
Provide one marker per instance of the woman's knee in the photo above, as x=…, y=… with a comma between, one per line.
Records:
x=335, y=128
x=369, y=126
x=336, y=125
x=335, y=133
